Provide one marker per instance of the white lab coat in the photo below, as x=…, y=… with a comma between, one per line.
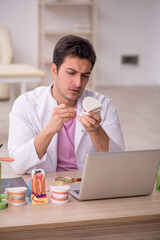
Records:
x=31, y=113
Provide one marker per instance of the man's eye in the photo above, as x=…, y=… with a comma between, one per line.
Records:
x=71, y=73
x=86, y=76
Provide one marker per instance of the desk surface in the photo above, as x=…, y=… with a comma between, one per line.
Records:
x=79, y=213
x=19, y=70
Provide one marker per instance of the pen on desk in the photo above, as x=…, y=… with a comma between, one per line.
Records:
x=1, y=145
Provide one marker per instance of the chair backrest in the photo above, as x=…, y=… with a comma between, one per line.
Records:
x=6, y=57
x=6, y=47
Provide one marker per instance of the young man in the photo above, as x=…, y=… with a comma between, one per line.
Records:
x=46, y=129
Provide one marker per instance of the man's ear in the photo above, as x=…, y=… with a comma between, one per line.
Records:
x=54, y=70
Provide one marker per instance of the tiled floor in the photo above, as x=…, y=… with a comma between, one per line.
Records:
x=139, y=111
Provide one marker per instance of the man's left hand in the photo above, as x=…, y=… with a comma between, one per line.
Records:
x=90, y=122
x=99, y=137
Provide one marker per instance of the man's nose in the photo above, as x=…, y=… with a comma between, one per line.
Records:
x=78, y=80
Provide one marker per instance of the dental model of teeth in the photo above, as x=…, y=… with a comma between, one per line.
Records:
x=59, y=194
x=91, y=104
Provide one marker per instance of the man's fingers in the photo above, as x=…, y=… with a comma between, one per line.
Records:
x=89, y=122
x=95, y=116
x=64, y=111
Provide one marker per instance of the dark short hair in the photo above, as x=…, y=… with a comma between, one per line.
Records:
x=72, y=45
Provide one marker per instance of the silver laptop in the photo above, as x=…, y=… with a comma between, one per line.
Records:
x=113, y=175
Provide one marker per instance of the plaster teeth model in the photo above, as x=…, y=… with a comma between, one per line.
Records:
x=16, y=195
x=59, y=194
x=91, y=104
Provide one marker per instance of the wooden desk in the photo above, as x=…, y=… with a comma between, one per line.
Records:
x=125, y=218
x=19, y=73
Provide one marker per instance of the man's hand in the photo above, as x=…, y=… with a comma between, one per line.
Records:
x=90, y=122
x=98, y=136
x=60, y=115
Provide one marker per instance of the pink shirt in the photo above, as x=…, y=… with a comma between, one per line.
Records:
x=66, y=158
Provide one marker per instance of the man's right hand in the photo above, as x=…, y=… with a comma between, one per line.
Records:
x=60, y=115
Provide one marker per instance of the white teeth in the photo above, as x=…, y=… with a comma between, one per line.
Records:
x=60, y=196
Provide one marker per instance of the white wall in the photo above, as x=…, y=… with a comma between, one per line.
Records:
x=124, y=27
x=20, y=18
x=129, y=27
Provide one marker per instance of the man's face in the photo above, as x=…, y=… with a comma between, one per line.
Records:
x=71, y=79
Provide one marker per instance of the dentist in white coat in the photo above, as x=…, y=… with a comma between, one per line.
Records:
x=45, y=127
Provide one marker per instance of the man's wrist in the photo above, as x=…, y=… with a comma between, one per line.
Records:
x=50, y=130
x=95, y=131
